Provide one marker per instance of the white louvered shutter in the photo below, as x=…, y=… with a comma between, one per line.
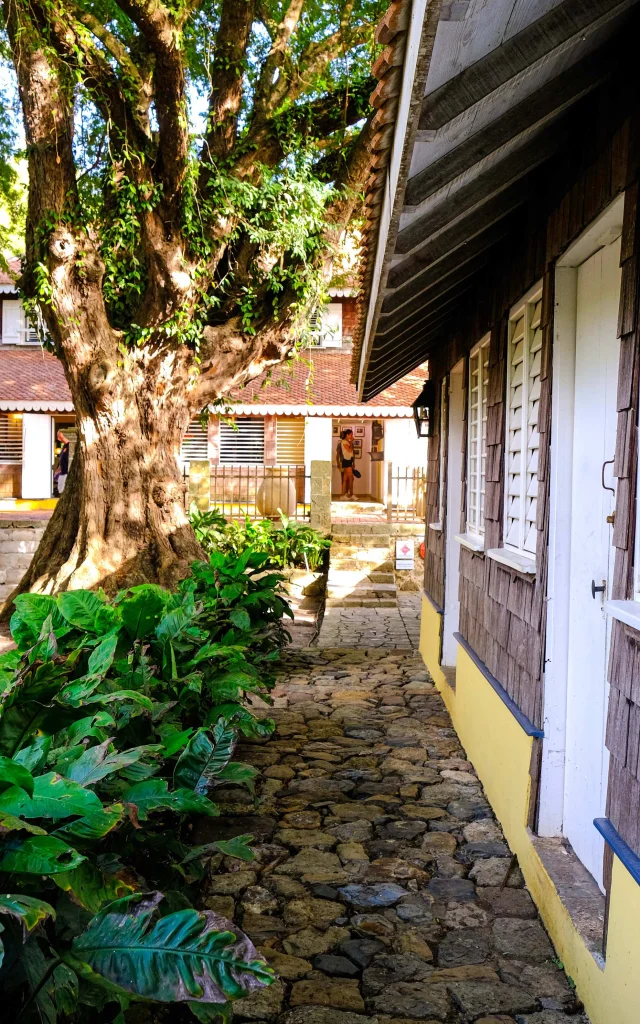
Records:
x=242, y=443
x=10, y=438
x=290, y=440
x=443, y=445
x=514, y=433
x=533, y=438
x=195, y=443
x=11, y=321
x=477, y=437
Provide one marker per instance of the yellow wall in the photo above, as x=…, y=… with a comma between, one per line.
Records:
x=501, y=753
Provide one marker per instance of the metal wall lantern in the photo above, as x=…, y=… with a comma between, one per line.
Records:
x=424, y=408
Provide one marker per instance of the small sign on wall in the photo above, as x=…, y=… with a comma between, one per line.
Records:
x=405, y=553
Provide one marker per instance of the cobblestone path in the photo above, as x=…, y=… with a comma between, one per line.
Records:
x=392, y=628
x=383, y=891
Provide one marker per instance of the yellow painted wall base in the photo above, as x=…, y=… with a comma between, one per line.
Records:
x=501, y=751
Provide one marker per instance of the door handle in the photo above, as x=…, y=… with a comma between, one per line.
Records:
x=597, y=590
x=607, y=462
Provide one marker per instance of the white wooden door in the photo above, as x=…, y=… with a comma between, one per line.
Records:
x=595, y=417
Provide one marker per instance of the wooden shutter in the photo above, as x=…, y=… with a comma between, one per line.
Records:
x=533, y=438
x=11, y=320
x=290, y=441
x=195, y=443
x=242, y=443
x=514, y=432
x=477, y=436
x=10, y=438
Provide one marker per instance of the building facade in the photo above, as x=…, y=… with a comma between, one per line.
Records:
x=506, y=253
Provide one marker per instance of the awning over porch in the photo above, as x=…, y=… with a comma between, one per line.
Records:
x=487, y=98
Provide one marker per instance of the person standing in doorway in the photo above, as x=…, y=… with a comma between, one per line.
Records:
x=346, y=458
x=61, y=470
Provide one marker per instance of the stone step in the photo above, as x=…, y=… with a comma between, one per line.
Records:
x=361, y=602
x=381, y=577
x=362, y=589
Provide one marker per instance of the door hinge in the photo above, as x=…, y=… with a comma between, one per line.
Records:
x=612, y=518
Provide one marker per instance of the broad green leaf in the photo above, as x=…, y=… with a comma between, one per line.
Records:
x=240, y=619
x=101, y=657
x=92, y=727
x=53, y=797
x=142, y=612
x=65, y=990
x=34, y=756
x=247, y=722
x=38, y=855
x=13, y=774
x=77, y=692
x=153, y=795
x=119, y=695
x=9, y=823
x=26, y=909
x=92, y=826
x=240, y=773
x=30, y=613
x=91, y=888
x=172, y=625
x=81, y=608
x=204, y=758
x=9, y=662
x=176, y=741
x=96, y=762
x=231, y=591
x=188, y=955
x=237, y=847
x=35, y=966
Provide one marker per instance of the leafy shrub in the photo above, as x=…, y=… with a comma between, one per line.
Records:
x=287, y=544
x=117, y=721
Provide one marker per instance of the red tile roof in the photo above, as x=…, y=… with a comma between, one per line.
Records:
x=31, y=375
x=322, y=378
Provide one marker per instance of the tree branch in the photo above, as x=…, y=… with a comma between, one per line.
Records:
x=225, y=98
x=277, y=55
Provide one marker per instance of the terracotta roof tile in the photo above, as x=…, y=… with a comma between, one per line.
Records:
x=322, y=378
x=14, y=272
x=31, y=375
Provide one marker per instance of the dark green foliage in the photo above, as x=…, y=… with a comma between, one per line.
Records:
x=286, y=544
x=118, y=720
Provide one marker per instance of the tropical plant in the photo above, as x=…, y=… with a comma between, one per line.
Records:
x=118, y=722
x=286, y=544
x=193, y=170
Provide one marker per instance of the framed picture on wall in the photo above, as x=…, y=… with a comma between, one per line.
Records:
x=358, y=431
x=336, y=429
x=357, y=449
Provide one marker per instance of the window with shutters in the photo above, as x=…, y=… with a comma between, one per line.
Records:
x=242, y=442
x=290, y=441
x=477, y=436
x=195, y=443
x=522, y=439
x=326, y=325
x=10, y=438
x=17, y=329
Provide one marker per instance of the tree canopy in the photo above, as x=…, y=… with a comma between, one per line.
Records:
x=197, y=160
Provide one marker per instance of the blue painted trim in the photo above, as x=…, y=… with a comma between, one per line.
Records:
x=436, y=607
x=623, y=852
x=526, y=724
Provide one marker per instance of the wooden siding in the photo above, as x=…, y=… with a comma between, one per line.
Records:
x=623, y=725
x=502, y=612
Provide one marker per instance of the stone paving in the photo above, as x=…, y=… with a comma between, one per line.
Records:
x=383, y=891
x=373, y=627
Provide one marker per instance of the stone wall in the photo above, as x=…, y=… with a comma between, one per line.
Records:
x=19, y=539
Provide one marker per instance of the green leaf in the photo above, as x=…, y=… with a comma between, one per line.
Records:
x=53, y=797
x=240, y=773
x=102, y=656
x=237, y=847
x=30, y=613
x=231, y=591
x=26, y=909
x=188, y=955
x=248, y=724
x=81, y=608
x=66, y=990
x=91, y=888
x=240, y=619
x=13, y=774
x=34, y=756
x=120, y=695
x=172, y=625
x=175, y=742
x=205, y=758
x=92, y=826
x=142, y=612
x=9, y=823
x=153, y=795
x=38, y=855
x=96, y=763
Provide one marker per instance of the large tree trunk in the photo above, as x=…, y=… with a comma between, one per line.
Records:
x=121, y=519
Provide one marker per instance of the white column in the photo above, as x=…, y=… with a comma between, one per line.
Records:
x=37, y=455
x=317, y=445
x=402, y=446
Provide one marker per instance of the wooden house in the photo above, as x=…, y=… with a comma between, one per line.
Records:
x=503, y=246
